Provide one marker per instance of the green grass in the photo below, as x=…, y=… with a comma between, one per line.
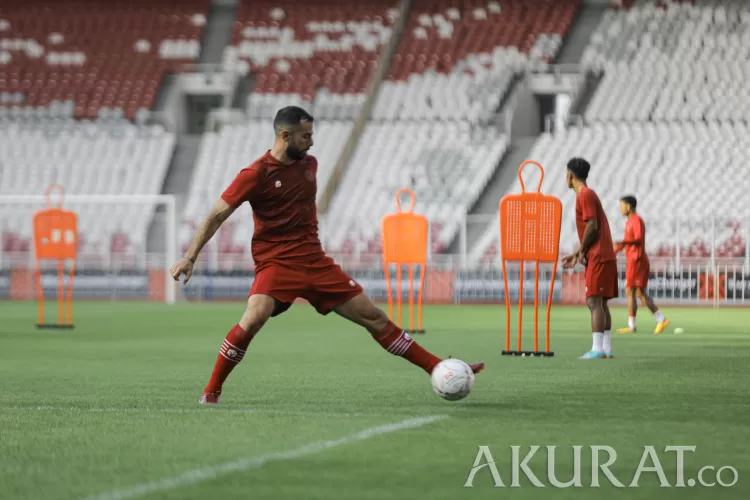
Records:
x=113, y=405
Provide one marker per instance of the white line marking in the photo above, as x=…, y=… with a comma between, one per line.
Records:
x=243, y=464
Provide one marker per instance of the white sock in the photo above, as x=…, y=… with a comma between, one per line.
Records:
x=659, y=316
x=631, y=322
x=607, y=341
x=597, y=345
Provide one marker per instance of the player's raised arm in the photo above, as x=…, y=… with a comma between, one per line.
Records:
x=220, y=212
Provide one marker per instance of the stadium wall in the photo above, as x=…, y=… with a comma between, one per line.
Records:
x=694, y=283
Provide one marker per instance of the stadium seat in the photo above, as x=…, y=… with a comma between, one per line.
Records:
x=669, y=116
x=457, y=58
x=85, y=158
x=447, y=164
x=680, y=63
x=431, y=127
x=110, y=57
x=320, y=54
x=672, y=169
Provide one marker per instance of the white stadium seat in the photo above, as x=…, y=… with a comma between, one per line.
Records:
x=85, y=158
x=447, y=164
x=667, y=123
x=672, y=169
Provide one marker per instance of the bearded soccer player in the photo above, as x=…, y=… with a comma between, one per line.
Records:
x=597, y=254
x=638, y=268
x=280, y=187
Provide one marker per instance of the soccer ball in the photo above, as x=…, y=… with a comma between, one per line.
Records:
x=452, y=379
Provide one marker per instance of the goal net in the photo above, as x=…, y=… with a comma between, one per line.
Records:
x=125, y=246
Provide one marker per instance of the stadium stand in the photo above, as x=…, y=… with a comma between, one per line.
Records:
x=87, y=59
x=672, y=70
x=83, y=60
x=431, y=125
x=682, y=63
x=85, y=158
x=457, y=58
x=670, y=116
x=320, y=54
x=701, y=162
x=445, y=163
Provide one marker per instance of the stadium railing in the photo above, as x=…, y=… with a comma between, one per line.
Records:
x=695, y=282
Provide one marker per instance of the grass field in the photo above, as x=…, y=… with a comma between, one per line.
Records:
x=317, y=410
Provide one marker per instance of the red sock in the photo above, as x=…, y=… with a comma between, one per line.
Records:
x=232, y=351
x=396, y=341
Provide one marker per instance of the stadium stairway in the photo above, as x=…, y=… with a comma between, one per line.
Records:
x=484, y=212
x=176, y=182
x=581, y=102
x=384, y=64
x=577, y=39
x=216, y=36
x=218, y=31
x=486, y=205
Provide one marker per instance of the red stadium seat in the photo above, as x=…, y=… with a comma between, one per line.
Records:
x=97, y=49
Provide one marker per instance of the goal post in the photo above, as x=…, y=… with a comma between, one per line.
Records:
x=127, y=244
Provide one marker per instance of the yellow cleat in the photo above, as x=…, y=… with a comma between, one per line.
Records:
x=661, y=326
x=625, y=330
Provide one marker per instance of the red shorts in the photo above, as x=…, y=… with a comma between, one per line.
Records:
x=601, y=279
x=636, y=274
x=323, y=284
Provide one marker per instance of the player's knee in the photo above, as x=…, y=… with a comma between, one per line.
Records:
x=252, y=321
x=594, y=303
x=257, y=312
x=374, y=316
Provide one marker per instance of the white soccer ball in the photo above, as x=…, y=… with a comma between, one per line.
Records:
x=452, y=379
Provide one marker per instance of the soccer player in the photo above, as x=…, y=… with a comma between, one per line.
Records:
x=638, y=268
x=289, y=259
x=597, y=254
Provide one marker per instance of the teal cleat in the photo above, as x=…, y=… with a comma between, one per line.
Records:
x=593, y=355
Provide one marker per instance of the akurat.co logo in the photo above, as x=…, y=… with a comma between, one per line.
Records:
x=602, y=459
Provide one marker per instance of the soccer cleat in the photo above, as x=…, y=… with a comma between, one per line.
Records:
x=623, y=331
x=609, y=355
x=661, y=326
x=209, y=398
x=477, y=367
x=593, y=355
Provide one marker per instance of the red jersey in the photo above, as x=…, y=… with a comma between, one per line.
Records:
x=588, y=206
x=282, y=197
x=635, y=240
